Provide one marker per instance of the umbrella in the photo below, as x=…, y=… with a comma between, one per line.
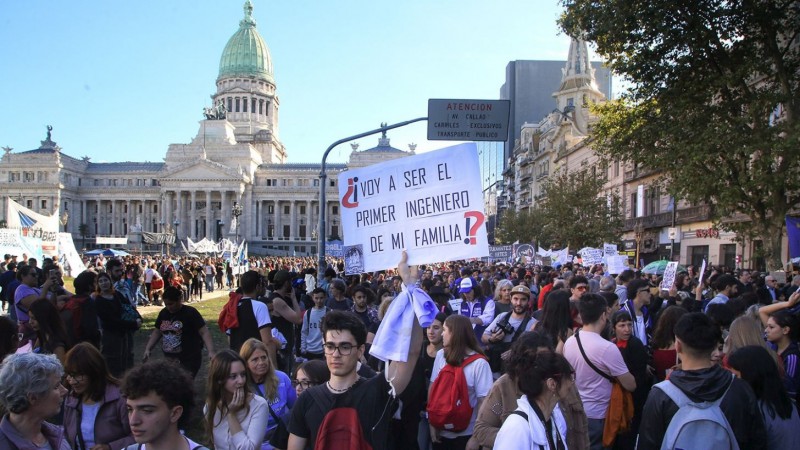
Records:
x=658, y=267
x=107, y=252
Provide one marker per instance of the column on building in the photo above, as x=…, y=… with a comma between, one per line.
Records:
x=309, y=221
x=166, y=209
x=248, y=213
x=181, y=229
x=277, y=232
x=224, y=214
x=193, y=214
x=293, y=220
x=209, y=215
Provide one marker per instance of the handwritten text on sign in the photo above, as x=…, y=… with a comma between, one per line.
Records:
x=429, y=204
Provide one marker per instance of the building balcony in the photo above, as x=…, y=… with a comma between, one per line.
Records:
x=682, y=216
x=636, y=173
x=542, y=175
x=525, y=177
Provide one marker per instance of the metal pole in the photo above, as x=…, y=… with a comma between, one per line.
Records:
x=672, y=241
x=323, y=176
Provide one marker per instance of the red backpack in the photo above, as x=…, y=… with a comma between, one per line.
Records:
x=448, y=404
x=341, y=427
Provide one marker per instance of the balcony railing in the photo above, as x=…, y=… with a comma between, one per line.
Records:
x=682, y=216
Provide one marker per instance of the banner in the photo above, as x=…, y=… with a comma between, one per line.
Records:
x=500, y=252
x=609, y=250
x=793, y=236
x=430, y=204
x=158, y=238
x=669, y=276
x=109, y=240
x=13, y=243
x=591, y=256
x=334, y=248
x=523, y=252
x=69, y=259
x=34, y=225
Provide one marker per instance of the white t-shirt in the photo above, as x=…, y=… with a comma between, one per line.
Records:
x=641, y=331
x=479, y=381
x=511, y=321
x=594, y=389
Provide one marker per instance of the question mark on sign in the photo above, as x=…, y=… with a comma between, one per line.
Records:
x=473, y=230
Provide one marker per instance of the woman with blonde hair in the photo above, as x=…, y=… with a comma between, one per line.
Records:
x=235, y=418
x=273, y=385
x=747, y=331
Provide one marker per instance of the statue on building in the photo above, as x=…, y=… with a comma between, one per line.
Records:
x=217, y=112
x=137, y=226
x=48, y=143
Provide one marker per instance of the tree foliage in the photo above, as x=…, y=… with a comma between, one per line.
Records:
x=573, y=214
x=713, y=103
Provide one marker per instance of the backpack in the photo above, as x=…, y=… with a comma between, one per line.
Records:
x=448, y=405
x=341, y=427
x=697, y=422
x=80, y=317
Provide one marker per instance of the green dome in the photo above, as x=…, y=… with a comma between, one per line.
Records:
x=246, y=54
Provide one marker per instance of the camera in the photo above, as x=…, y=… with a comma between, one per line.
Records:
x=505, y=327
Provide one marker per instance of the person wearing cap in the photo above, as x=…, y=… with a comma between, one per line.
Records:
x=474, y=305
x=517, y=319
x=285, y=314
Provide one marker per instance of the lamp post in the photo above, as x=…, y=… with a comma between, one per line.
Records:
x=161, y=230
x=236, y=212
x=638, y=232
x=175, y=224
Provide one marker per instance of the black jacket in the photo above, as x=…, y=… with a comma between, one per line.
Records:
x=739, y=406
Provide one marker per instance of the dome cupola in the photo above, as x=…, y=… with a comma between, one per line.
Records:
x=246, y=54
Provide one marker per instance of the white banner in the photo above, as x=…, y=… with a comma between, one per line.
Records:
x=13, y=243
x=669, y=276
x=591, y=256
x=609, y=250
x=429, y=204
x=108, y=240
x=68, y=257
x=34, y=225
x=616, y=264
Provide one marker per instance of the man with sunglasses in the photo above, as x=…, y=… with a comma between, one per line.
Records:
x=578, y=285
x=638, y=294
x=373, y=399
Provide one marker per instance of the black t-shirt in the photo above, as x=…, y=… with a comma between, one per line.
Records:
x=180, y=332
x=371, y=399
x=284, y=326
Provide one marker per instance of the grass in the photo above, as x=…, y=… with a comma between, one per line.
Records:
x=209, y=308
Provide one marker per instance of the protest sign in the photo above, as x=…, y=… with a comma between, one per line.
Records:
x=591, y=256
x=617, y=264
x=429, y=204
x=524, y=251
x=669, y=275
x=702, y=272
x=609, y=250
x=500, y=252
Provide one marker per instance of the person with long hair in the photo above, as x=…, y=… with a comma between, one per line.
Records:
x=51, y=336
x=781, y=331
x=502, y=399
x=459, y=342
x=662, y=344
x=310, y=373
x=118, y=321
x=31, y=392
x=433, y=343
x=755, y=365
x=544, y=379
x=271, y=384
x=95, y=413
x=9, y=336
x=747, y=331
x=556, y=318
x=73, y=310
x=235, y=418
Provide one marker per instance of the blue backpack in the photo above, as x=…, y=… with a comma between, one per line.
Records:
x=697, y=422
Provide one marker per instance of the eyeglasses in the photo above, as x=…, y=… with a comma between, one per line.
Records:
x=304, y=384
x=76, y=377
x=344, y=348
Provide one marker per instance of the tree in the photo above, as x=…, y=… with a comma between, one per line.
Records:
x=713, y=103
x=575, y=214
x=523, y=226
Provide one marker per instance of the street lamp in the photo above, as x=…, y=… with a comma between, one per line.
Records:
x=638, y=232
x=175, y=224
x=236, y=212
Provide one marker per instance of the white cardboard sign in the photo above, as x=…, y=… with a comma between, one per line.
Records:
x=429, y=204
x=669, y=276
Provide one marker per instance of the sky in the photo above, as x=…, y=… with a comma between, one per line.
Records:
x=120, y=81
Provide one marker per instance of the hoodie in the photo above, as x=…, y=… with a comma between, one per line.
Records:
x=705, y=385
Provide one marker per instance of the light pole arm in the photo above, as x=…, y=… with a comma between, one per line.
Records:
x=323, y=176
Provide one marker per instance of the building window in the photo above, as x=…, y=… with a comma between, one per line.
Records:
x=270, y=231
x=302, y=209
x=728, y=252
x=238, y=102
x=616, y=168
x=270, y=209
x=286, y=209
x=244, y=104
x=316, y=183
x=253, y=106
x=333, y=183
x=44, y=204
x=261, y=107
x=141, y=206
x=335, y=210
x=155, y=207
x=634, y=205
x=302, y=230
x=29, y=204
x=698, y=253
x=286, y=231
x=230, y=104
x=335, y=231
x=651, y=201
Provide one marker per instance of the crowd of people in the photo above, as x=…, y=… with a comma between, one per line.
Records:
x=462, y=355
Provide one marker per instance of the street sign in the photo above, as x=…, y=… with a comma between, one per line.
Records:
x=468, y=120
x=672, y=232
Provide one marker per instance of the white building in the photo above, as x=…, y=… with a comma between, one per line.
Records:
x=238, y=158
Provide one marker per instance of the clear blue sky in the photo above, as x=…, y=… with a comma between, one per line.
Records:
x=120, y=81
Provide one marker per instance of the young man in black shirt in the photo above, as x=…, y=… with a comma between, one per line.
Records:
x=345, y=336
